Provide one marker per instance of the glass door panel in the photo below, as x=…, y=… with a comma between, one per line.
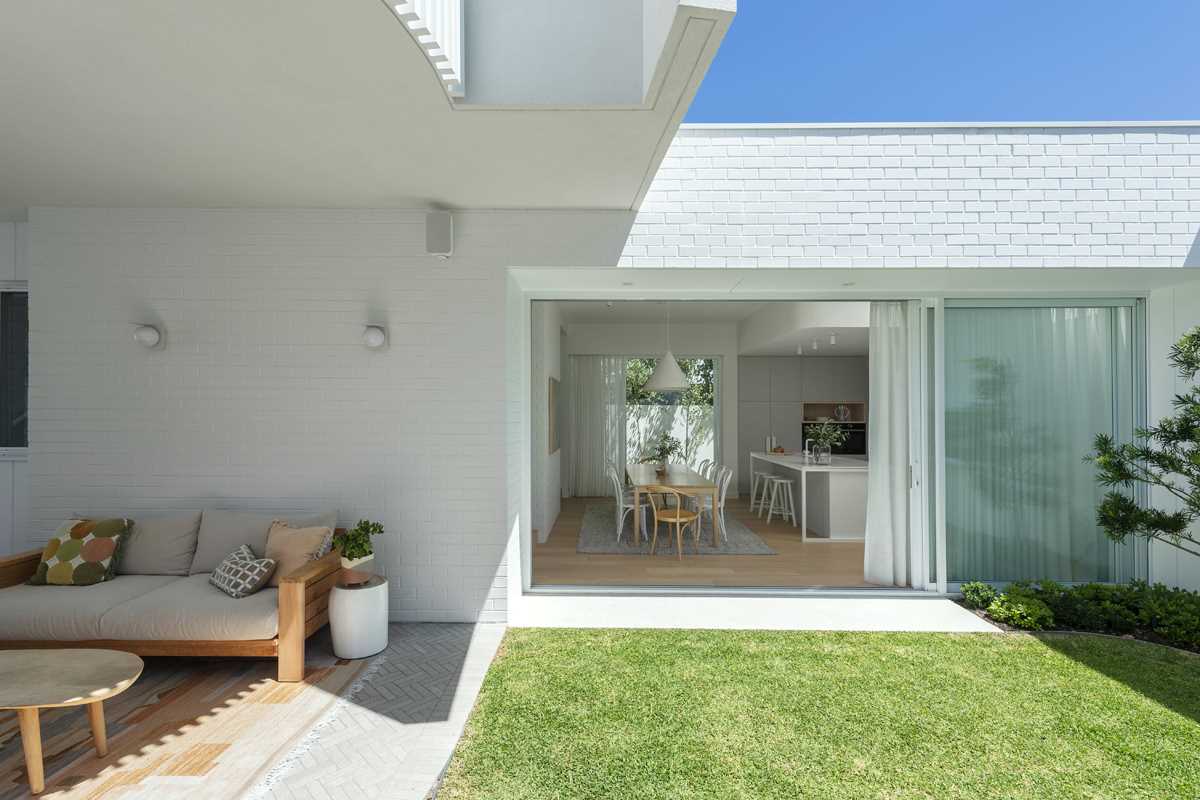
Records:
x=1026, y=391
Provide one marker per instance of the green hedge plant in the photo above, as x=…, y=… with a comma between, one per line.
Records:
x=977, y=594
x=1021, y=609
x=1155, y=612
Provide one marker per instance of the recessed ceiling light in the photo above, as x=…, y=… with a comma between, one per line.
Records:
x=848, y=283
x=627, y=283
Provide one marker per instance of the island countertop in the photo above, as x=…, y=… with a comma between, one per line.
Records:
x=797, y=461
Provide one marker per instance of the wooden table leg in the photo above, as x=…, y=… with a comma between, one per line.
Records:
x=31, y=743
x=99, y=734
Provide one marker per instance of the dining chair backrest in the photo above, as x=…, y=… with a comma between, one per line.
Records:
x=711, y=472
x=724, y=476
x=662, y=492
x=703, y=468
x=618, y=489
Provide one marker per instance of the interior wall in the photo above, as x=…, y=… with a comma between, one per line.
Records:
x=263, y=396
x=687, y=340
x=547, y=466
x=772, y=389
x=1170, y=314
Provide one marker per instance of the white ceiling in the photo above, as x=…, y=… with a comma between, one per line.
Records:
x=655, y=311
x=308, y=103
x=763, y=330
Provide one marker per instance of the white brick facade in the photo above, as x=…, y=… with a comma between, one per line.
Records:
x=264, y=397
x=858, y=196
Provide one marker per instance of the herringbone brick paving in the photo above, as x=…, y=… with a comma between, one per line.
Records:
x=394, y=738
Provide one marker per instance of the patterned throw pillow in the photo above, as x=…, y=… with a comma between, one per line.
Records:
x=242, y=573
x=81, y=552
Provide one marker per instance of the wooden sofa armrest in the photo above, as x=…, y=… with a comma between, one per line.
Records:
x=303, y=609
x=18, y=568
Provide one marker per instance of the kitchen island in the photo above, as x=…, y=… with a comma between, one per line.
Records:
x=832, y=497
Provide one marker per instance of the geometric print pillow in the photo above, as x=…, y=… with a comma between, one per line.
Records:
x=81, y=552
x=242, y=573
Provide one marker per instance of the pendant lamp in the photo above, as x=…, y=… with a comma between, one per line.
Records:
x=667, y=376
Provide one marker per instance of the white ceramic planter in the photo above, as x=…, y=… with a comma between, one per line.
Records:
x=351, y=563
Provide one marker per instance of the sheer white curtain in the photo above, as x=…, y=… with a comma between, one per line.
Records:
x=596, y=424
x=1027, y=390
x=885, y=560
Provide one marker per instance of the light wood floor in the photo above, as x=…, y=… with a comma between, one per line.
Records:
x=835, y=564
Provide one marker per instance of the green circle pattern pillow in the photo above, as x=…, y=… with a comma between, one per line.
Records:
x=82, y=552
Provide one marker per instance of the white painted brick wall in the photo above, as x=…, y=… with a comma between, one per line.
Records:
x=923, y=197
x=265, y=398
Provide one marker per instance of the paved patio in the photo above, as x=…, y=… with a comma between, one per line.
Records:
x=394, y=737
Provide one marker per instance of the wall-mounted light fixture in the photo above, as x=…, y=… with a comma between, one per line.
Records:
x=374, y=337
x=832, y=339
x=147, y=336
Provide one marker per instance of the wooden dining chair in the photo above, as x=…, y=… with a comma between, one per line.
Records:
x=678, y=515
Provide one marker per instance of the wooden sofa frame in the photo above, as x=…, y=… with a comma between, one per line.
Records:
x=303, y=610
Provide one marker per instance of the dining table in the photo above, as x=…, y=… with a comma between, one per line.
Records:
x=679, y=477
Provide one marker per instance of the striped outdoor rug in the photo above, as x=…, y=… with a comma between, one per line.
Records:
x=186, y=728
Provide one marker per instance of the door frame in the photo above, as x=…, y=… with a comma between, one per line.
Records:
x=520, y=545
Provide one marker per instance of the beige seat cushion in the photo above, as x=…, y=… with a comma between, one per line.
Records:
x=292, y=548
x=161, y=544
x=222, y=532
x=192, y=609
x=69, y=613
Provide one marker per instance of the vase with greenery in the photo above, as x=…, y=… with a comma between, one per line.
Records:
x=825, y=436
x=354, y=545
x=1166, y=455
x=661, y=450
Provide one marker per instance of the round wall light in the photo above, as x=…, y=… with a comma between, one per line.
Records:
x=374, y=337
x=147, y=336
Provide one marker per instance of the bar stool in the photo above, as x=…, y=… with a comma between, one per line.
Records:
x=781, y=499
x=759, y=479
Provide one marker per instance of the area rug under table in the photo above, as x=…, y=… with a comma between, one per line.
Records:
x=598, y=534
x=186, y=728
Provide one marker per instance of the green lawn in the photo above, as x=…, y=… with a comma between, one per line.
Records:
x=725, y=714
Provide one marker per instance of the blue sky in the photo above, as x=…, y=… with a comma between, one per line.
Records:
x=955, y=60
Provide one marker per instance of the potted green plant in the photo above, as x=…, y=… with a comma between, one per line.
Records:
x=354, y=545
x=660, y=451
x=825, y=436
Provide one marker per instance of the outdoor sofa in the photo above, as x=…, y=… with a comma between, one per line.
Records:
x=160, y=603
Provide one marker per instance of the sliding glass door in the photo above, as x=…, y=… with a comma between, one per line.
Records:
x=1027, y=388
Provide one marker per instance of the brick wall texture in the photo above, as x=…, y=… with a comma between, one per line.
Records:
x=923, y=197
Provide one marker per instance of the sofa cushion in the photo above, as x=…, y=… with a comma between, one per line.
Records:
x=68, y=613
x=291, y=548
x=160, y=545
x=241, y=574
x=223, y=531
x=190, y=609
x=81, y=552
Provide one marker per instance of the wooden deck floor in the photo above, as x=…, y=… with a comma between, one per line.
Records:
x=826, y=564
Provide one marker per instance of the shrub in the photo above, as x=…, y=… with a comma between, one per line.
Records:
x=1170, y=614
x=1021, y=609
x=977, y=594
x=1158, y=612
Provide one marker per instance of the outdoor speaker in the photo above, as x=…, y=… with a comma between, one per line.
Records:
x=439, y=234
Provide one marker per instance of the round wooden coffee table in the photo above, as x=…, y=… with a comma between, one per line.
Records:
x=33, y=679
